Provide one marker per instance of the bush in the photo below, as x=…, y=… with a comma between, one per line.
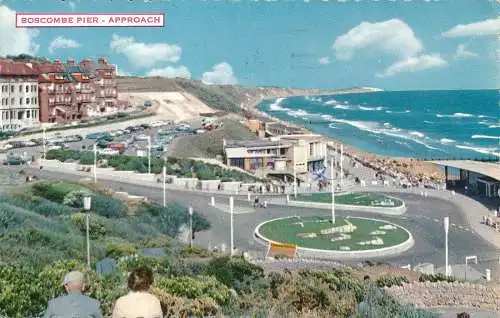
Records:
x=187, y=252
x=97, y=229
x=433, y=278
x=235, y=272
x=391, y=280
x=156, y=242
x=192, y=288
x=108, y=207
x=116, y=250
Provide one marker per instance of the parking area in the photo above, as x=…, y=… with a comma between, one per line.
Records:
x=132, y=140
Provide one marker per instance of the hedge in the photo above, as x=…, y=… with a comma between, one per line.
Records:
x=180, y=167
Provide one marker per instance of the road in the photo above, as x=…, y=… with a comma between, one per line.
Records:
x=423, y=219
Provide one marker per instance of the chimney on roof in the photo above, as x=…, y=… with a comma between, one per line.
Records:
x=71, y=62
x=102, y=61
x=86, y=64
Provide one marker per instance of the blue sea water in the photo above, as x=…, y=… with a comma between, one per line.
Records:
x=460, y=124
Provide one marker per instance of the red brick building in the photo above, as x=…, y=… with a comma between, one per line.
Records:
x=71, y=92
x=56, y=94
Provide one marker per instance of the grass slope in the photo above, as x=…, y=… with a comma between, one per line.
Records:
x=209, y=144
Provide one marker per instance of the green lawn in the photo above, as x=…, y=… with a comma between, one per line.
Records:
x=287, y=230
x=351, y=198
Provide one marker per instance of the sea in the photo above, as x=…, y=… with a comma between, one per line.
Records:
x=458, y=124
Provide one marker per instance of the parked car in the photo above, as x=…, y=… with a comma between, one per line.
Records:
x=108, y=151
x=14, y=161
x=141, y=137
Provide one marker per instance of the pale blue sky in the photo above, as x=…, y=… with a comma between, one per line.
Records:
x=394, y=45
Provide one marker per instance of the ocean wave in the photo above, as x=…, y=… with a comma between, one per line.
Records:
x=417, y=134
x=484, y=137
x=455, y=115
x=378, y=108
x=298, y=113
x=429, y=122
x=343, y=107
x=494, y=126
x=447, y=141
x=485, y=151
x=331, y=102
x=276, y=106
x=314, y=99
x=332, y=126
x=393, y=112
x=374, y=127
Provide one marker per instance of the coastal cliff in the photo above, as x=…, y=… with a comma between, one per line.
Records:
x=228, y=98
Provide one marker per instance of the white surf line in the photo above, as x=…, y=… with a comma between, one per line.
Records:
x=436, y=220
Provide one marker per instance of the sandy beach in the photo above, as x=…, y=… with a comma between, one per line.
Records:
x=414, y=170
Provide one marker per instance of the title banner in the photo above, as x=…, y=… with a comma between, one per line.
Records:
x=74, y=20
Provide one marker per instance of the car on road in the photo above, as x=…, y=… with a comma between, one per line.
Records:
x=158, y=124
x=54, y=147
x=142, y=137
x=14, y=161
x=108, y=151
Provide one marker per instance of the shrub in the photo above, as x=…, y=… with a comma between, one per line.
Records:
x=97, y=229
x=75, y=198
x=156, y=242
x=235, y=272
x=108, y=207
x=391, y=280
x=436, y=278
x=192, y=288
x=116, y=250
x=194, y=252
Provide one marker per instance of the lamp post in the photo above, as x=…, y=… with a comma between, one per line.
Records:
x=149, y=154
x=164, y=186
x=44, y=144
x=294, y=178
x=190, y=211
x=86, y=208
x=95, y=163
x=231, y=208
x=446, y=228
x=332, y=188
x=341, y=166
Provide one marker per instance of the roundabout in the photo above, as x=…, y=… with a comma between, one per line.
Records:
x=349, y=237
x=357, y=201
x=353, y=198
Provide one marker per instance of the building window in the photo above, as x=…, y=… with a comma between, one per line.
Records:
x=28, y=114
x=12, y=88
x=20, y=88
x=36, y=88
x=27, y=101
x=237, y=162
x=12, y=101
x=27, y=89
x=36, y=100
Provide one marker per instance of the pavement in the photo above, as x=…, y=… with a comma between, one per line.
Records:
x=423, y=219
